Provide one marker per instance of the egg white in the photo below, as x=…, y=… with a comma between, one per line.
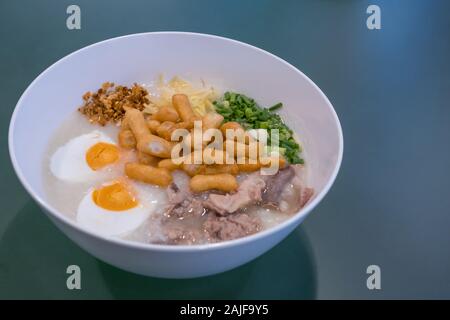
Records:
x=68, y=163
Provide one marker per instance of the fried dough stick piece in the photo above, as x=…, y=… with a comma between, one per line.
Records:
x=183, y=107
x=148, y=174
x=223, y=182
x=153, y=125
x=147, y=142
x=237, y=130
x=126, y=137
x=168, y=164
x=220, y=168
x=245, y=165
x=166, y=113
x=145, y=158
x=212, y=120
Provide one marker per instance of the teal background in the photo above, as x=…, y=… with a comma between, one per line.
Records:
x=390, y=205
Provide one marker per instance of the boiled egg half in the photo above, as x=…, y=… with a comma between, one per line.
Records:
x=114, y=208
x=84, y=158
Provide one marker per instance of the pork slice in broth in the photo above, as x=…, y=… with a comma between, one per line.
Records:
x=275, y=185
x=212, y=217
x=295, y=195
x=233, y=226
x=182, y=202
x=248, y=193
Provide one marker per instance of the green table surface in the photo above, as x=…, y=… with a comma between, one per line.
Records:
x=390, y=205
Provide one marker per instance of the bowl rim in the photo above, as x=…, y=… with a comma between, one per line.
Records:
x=166, y=247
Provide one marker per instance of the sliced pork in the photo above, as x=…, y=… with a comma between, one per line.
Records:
x=210, y=217
x=305, y=195
x=182, y=202
x=275, y=184
x=248, y=193
x=231, y=227
x=177, y=234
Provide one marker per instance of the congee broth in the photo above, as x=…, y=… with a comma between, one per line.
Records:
x=175, y=163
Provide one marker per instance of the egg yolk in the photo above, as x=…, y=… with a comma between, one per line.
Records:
x=114, y=197
x=101, y=154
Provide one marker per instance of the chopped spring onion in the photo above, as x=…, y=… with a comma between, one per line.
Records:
x=244, y=110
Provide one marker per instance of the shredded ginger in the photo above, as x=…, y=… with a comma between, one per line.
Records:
x=200, y=98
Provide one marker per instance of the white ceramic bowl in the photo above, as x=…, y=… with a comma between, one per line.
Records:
x=226, y=63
